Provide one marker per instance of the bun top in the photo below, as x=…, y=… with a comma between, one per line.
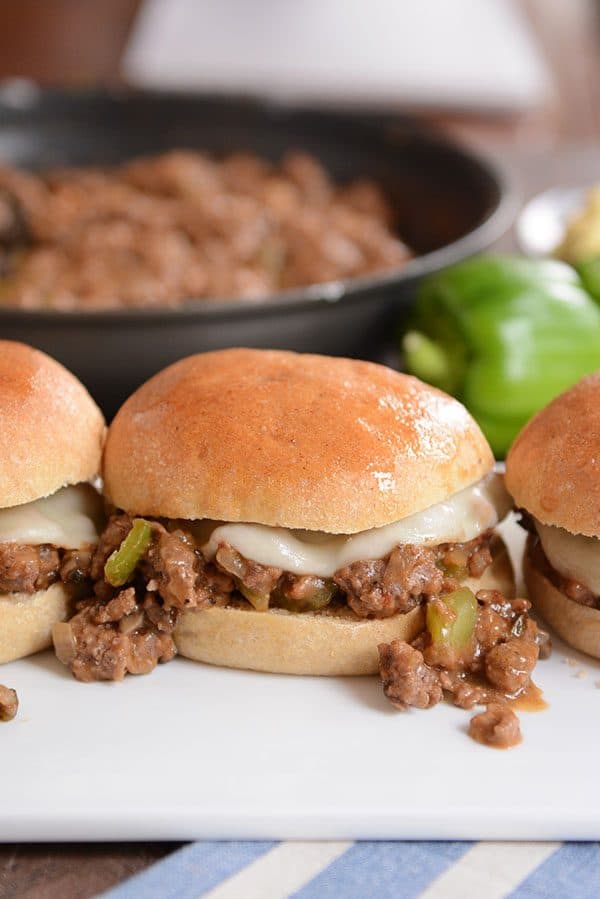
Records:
x=289, y=440
x=51, y=430
x=553, y=467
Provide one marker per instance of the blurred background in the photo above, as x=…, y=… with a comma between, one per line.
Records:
x=518, y=71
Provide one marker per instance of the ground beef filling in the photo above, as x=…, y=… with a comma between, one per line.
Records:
x=493, y=668
x=9, y=703
x=379, y=588
x=129, y=629
x=498, y=726
x=160, y=230
x=27, y=569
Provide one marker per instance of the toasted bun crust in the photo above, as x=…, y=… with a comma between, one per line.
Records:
x=51, y=431
x=26, y=620
x=553, y=468
x=317, y=644
x=578, y=625
x=284, y=643
x=289, y=440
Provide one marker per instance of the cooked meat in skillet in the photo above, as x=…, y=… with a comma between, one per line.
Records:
x=160, y=230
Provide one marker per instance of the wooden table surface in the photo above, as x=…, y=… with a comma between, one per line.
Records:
x=558, y=144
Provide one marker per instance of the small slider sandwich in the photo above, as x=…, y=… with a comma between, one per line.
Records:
x=553, y=473
x=292, y=513
x=51, y=435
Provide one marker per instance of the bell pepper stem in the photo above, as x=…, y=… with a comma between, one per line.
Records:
x=589, y=272
x=426, y=359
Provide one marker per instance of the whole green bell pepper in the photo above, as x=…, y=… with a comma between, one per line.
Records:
x=505, y=335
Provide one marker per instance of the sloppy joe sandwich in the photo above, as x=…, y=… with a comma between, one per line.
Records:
x=51, y=435
x=553, y=473
x=292, y=513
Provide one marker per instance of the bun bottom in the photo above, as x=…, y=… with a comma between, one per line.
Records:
x=26, y=620
x=325, y=644
x=577, y=625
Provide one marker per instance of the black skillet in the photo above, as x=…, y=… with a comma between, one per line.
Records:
x=449, y=204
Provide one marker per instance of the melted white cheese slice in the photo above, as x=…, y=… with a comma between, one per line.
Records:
x=573, y=555
x=69, y=518
x=460, y=518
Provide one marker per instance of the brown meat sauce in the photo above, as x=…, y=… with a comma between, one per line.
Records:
x=103, y=641
x=498, y=726
x=160, y=230
x=379, y=588
x=493, y=669
x=130, y=629
x=9, y=703
x=27, y=569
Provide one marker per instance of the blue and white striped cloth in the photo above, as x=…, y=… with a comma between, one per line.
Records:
x=345, y=870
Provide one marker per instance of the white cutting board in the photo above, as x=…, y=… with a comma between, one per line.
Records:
x=193, y=752
x=386, y=53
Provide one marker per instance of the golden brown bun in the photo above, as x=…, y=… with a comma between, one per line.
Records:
x=553, y=468
x=289, y=440
x=317, y=644
x=578, y=625
x=26, y=620
x=51, y=431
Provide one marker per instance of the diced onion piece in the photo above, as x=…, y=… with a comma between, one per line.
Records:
x=65, y=645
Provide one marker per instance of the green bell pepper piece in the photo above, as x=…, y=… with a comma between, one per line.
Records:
x=456, y=629
x=505, y=335
x=319, y=598
x=121, y=564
